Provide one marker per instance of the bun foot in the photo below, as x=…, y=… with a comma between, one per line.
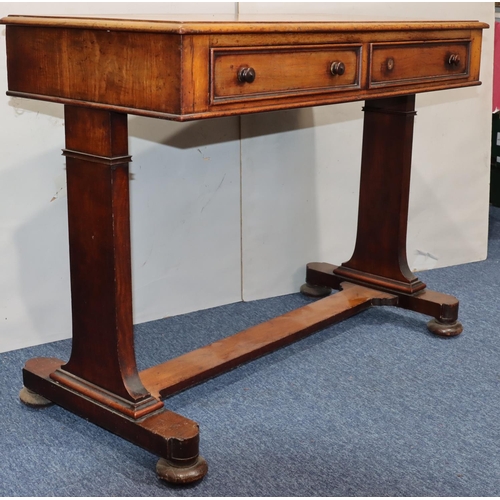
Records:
x=445, y=329
x=315, y=290
x=32, y=399
x=172, y=472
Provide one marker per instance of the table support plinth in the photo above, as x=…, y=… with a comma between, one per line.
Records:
x=164, y=433
x=443, y=308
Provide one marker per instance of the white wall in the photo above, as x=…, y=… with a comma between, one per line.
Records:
x=185, y=204
x=300, y=173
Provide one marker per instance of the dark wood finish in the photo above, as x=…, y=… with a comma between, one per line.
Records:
x=103, y=69
x=444, y=308
x=102, y=359
x=172, y=473
x=164, y=433
x=380, y=253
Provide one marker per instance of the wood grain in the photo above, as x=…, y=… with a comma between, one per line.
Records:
x=189, y=24
x=283, y=70
x=140, y=70
x=199, y=365
x=379, y=256
x=185, y=70
x=417, y=62
x=99, y=238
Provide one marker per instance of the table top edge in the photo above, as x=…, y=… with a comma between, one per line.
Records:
x=208, y=26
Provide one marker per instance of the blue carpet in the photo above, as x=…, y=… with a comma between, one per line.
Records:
x=373, y=406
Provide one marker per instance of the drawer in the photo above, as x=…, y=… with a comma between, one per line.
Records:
x=413, y=63
x=242, y=74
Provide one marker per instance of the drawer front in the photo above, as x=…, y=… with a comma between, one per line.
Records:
x=413, y=63
x=267, y=72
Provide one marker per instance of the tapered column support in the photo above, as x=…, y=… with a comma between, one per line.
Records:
x=100, y=381
x=379, y=259
x=379, y=256
x=102, y=355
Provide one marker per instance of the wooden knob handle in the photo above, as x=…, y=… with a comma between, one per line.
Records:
x=454, y=60
x=246, y=75
x=337, y=68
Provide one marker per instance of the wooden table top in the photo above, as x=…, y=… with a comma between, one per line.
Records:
x=233, y=23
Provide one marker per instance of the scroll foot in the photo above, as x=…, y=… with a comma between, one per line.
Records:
x=172, y=472
x=445, y=329
x=32, y=399
x=315, y=290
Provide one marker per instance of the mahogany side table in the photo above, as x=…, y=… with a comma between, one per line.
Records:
x=102, y=69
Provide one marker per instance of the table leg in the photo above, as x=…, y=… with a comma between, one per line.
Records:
x=379, y=259
x=100, y=381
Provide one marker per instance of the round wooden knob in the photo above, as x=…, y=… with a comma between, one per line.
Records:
x=454, y=60
x=390, y=64
x=337, y=68
x=246, y=75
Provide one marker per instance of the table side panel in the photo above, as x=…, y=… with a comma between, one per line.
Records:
x=475, y=54
x=138, y=70
x=195, y=77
